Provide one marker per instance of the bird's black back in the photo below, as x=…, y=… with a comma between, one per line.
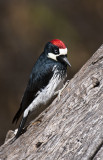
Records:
x=40, y=76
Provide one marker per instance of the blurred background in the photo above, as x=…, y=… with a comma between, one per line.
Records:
x=26, y=26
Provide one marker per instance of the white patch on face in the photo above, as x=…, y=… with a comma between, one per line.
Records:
x=54, y=56
x=63, y=51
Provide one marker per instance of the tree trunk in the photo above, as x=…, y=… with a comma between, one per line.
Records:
x=71, y=128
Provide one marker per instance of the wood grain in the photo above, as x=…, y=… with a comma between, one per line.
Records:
x=70, y=128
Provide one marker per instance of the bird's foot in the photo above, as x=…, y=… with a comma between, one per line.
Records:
x=61, y=90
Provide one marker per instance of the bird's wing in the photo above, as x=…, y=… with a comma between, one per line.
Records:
x=38, y=80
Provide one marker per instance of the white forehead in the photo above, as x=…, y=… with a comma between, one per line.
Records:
x=63, y=51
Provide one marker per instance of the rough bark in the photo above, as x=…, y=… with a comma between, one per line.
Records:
x=71, y=128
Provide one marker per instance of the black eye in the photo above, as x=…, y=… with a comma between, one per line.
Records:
x=55, y=51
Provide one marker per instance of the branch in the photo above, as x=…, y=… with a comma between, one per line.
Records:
x=71, y=128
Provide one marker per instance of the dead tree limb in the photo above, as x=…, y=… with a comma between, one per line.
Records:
x=69, y=129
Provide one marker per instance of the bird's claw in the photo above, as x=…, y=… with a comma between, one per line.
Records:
x=61, y=90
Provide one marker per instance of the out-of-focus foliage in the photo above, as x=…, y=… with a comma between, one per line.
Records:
x=26, y=26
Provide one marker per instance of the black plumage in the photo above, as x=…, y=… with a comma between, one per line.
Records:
x=38, y=80
x=40, y=77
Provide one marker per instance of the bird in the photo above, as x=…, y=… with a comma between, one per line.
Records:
x=47, y=78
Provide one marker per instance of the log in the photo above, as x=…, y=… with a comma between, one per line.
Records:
x=70, y=128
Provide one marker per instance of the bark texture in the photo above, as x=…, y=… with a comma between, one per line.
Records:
x=71, y=128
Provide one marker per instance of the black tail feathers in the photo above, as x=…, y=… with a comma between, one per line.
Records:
x=17, y=116
x=20, y=129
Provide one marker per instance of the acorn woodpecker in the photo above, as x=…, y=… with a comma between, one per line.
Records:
x=47, y=77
